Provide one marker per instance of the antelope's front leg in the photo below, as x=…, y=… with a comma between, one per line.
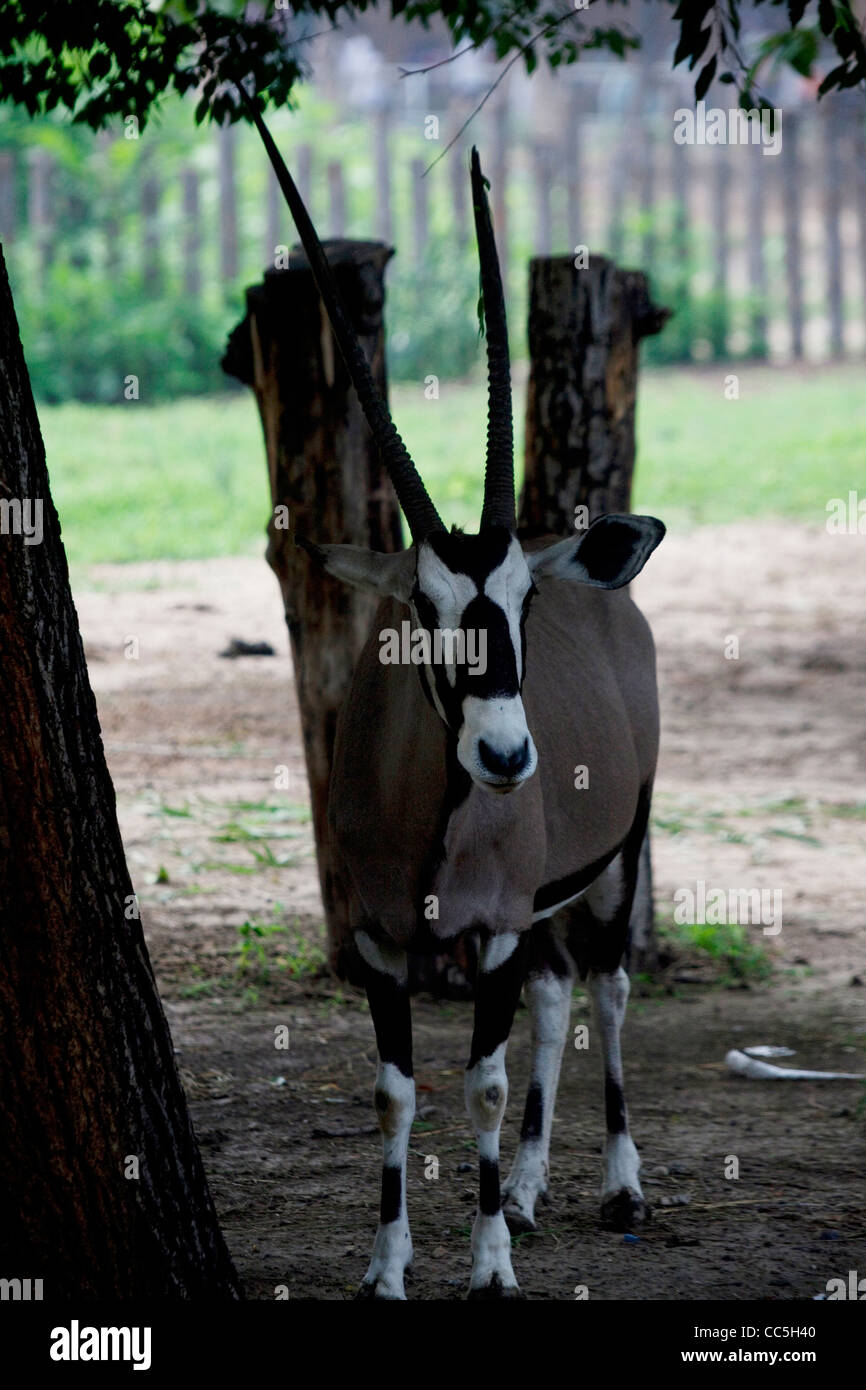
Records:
x=500, y=978
x=387, y=984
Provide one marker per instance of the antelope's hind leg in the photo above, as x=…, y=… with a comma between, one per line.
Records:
x=548, y=995
x=387, y=983
x=500, y=978
x=609, y=903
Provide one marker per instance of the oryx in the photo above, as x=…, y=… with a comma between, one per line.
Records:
x=454, y=804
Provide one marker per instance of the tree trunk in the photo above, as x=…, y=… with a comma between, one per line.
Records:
x=325, y=470
x=585, y=326
x=584, y=329
x=102, y=1189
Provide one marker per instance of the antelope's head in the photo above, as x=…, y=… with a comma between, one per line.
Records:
x=468, y=595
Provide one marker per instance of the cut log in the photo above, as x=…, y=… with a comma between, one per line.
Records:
x=585, y=326
x=325, y=468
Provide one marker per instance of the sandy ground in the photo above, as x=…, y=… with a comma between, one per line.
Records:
x=761, y=785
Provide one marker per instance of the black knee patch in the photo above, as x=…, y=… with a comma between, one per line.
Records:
x=614, y=1106
x=533, y=1114
x=488, y=1187
x=392, y=1191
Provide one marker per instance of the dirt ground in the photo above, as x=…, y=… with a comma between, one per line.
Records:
x=761, y=785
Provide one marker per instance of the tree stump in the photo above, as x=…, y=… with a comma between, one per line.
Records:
x=585, y=326
x=325, y=469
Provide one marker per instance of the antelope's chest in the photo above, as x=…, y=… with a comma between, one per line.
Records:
x=492, y=861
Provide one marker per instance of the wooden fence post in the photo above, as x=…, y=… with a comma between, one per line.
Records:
x=383, y=171
x=192, y=243
x=721, y=203
x=337, y=198
x=151, y=259
x=832, y=136
x=792, y=214
x=8, y=203
x=226, y=137
x=757, y=264
x=858, y=165
x=420, y=210
x=274, y=206
x=39, y=171
x=324, y=467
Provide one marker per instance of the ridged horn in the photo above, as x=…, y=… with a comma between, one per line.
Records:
x=498, y=509
x=412, y=495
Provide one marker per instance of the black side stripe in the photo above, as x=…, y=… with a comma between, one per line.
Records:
x=563, y=888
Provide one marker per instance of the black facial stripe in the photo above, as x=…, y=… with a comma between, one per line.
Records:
x=475, y=556
x=500, y=677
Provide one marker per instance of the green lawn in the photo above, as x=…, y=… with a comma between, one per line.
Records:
x=187, y=480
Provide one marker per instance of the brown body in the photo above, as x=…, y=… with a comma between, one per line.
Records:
x=590, y=699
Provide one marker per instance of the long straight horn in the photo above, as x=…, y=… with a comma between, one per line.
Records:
x=498, y=509
x=411, y=492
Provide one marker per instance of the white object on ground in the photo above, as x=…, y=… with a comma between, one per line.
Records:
x=765, y=1071
x=764, y=1051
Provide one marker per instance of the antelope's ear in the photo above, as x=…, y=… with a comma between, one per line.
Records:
x=386, y=575
x=608, y=555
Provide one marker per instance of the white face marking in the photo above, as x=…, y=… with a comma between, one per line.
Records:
x=499, y=722
x=501, y=725
x=508, y=586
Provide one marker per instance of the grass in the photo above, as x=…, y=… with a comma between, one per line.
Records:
x=737, y=958
x=188, y=480
x=265, y=946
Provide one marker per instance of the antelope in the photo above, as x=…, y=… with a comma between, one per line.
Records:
x=453, y=803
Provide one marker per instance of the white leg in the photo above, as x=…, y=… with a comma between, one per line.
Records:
x=386, y=980
x=622, y=1203
x=549, y=998
x=392, y=1248
x=498, y=990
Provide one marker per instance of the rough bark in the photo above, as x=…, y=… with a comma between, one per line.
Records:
x=324, y=467
x=89, y=1089
x=585, y=326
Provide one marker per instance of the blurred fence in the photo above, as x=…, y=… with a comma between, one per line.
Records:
x=758, y=254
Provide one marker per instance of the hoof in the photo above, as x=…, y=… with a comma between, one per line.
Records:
x=496, y=1289
x=519, y=1223
x=373, y=1290
x=624, y=1211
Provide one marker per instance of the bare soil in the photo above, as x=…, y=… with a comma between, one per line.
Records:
x=761, y=785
